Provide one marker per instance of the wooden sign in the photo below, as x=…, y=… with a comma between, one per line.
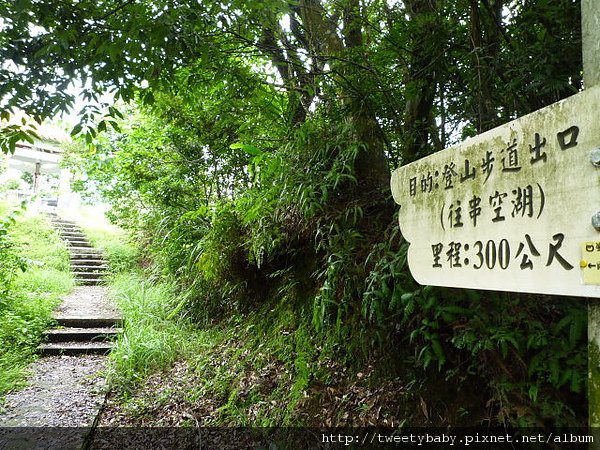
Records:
x=509, y=209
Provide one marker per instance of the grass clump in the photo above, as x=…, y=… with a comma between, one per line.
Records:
x=151, y=340
x=36, y=271
x=24, y=319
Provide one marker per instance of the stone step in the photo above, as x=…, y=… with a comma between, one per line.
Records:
x=72, y=234
x=84, y=250
x=75, y=348
x=91, y=274
x=97, y=280
x=74, y=238
x=63, y=230
x=88, y=322
x=78, y=244
x=63, y=222
x=69, y=229
x=88, y=281
x=88, y=262
x=92, y=277
x=95, y=255
x=79, y=334
x=89, y=267
x=86, y=275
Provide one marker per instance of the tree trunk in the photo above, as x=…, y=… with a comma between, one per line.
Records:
x=421, y=78
x=485, y=39
x=371, y=166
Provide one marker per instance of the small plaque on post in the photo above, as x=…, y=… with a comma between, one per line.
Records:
x=590, y=262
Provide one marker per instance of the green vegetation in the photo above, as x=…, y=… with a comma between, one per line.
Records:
x=251, y=166
x=258, y=367
x=255, y=370
x=35, y=273
x=120, y=255
x=9, y=185
x=152, y=339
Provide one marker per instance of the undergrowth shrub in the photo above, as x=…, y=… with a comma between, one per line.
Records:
x=121, y=255
x=34, y=272
x=10, y=260
x=524, y=353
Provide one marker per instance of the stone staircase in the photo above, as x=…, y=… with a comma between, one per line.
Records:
x=87, y=262
x=81, y=336
x=88, y=323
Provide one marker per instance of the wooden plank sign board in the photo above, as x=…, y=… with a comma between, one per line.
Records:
x=510, y=209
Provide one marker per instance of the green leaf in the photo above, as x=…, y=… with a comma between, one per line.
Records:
x=114, y=112
x=533, y=393
x=576, y=382
x=27, y=137
x=76, y=129
x=554, y=372
x=250, y=149
x=115, y=126
x=575, y=331
x=439, y=352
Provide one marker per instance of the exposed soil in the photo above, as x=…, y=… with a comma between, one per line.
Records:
x=164, y=400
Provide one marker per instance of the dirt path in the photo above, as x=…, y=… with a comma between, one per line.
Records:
x=62, y=391
x=90, y=302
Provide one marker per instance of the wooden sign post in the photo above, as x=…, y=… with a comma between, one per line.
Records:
x=517, y=208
